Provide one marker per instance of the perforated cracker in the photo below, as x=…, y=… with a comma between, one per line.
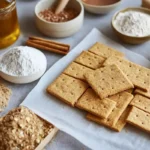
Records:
x=105, y=51
x=119, y=125
x=90, y=102
x=141, y=92
x=108, y=81
x=76, y=70
x=90, y=60
x=140, y=76
x=122, y=101
x=139, y=118
x=5, y=94
x=67, y=89
x=141, y=102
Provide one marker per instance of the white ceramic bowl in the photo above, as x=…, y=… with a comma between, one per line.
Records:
x=63, y=29
x=98, y=9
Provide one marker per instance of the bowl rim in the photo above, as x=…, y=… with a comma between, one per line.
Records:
x=125, y=10
x=101, y=6
x=58, y=23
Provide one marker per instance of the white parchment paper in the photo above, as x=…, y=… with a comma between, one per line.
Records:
x=72, y=121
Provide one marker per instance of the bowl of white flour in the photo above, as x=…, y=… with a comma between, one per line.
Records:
x=22, y=64
x=132, y=25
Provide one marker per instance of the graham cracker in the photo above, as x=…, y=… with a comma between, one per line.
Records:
x=90, y=102
x=139, y=75
x=122, y=101
x=76, y=70
x=139, y=118
x=90, y=60
x=141, y=92
x=130, y=91
x=105, y=51
x=119, y=125
x=67, y=89
x=108, y=81
x=5, y=94
x=141, y=102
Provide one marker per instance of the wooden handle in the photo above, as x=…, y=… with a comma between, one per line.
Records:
x=61, y=6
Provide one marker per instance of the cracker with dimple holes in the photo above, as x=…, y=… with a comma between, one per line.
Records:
x=119, y=125
x=139, y=118
x=122, y=101
x=76, y=70
x=141, y=102
x=90, y=60
x=108, y=81
x=5, y=94
x=139, y=76
x=90, y=102
x=67, y=89
x=141, y=92
x=105, y=51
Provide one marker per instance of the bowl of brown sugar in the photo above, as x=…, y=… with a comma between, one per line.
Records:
x=64, y=24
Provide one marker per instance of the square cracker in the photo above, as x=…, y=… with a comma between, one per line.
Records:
x=108, y=81
x=76, y=70
x=119, y=125
x=67, y=89
x=122, y=101
x=141, y=102
x=105, y=51
x=139, y=75
x=90, y=60
x=5, y=94
x=90, y=102
x=139, y=118
x=141, y=92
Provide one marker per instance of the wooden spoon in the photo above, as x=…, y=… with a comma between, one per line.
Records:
x=62, y=4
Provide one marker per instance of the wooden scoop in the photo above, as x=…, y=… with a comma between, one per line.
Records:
x=62, y=4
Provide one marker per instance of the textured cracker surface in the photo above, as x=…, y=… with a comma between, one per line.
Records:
x=67, y=89
x=5, y=94
x=108, y=81
x=141, y=102
x=139, y=118
x=93, y=104
x=139, y=76
x=90, y=60
x=122, y=101
x=76, y=70
x=105, y=51
x=141, y=92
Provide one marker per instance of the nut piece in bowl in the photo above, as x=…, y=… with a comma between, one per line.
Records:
x=64, y=24
x=100, y=6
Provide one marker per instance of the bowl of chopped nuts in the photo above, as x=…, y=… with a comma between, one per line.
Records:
x=64, y=24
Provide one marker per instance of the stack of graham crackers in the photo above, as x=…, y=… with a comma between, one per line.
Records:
x=101, y=82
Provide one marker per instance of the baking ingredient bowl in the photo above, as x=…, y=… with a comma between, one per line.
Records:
x=61, y=29
x=126, y=38
x=101, y=9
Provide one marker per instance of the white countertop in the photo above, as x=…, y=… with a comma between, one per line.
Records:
x=26, y=18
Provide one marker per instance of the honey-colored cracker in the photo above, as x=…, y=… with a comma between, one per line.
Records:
x=130, y=91
x=105, y=51
x=139, y=75
x=122, y=101
x=108, y=81
x=141, y=92
x=67, y=88
x=5, y=94
x=76, y=70
x=141, y=102
x=90, y=102
x=119, y=125
x=139, y=118
x=90, y=60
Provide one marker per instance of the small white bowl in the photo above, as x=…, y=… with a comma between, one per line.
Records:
x=100, y=9
x=63, y=29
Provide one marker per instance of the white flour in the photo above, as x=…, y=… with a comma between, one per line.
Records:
x=133, y=23
x=22, y=61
